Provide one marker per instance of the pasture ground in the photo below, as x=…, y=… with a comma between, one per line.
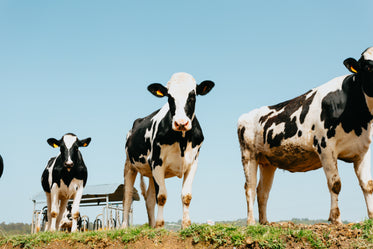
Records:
x=274, y=235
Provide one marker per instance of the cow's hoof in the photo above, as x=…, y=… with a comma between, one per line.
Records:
x=250, y=222
x=159, y=224
x=185, y=224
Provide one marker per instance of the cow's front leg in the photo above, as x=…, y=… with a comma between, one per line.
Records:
x=186, y=193
x=362, y=170
x=75, y=207
x=161, y=193
x=250, y=167
x=329, y=164
x=54, y=208
x=267, y=172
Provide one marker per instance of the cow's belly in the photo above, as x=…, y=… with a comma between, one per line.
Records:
x=68, y=192
x=291, y=158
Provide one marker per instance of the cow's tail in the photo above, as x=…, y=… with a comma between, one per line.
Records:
x=143, y=186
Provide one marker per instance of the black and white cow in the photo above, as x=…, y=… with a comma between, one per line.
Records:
x=64, y=178
x=330, y=122
x=165, y=144
x=1, y=166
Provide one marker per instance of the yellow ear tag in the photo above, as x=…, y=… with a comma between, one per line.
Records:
x=159, y=93
x=55, y=146
x=353, y=69
x=85, y=145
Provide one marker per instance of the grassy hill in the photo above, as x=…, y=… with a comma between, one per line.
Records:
x=274, y=235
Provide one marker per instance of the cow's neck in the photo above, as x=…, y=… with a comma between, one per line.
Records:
x=367, y=87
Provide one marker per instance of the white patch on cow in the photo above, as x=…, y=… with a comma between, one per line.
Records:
x=69, y=140
x=368, y=54
x=179, y=87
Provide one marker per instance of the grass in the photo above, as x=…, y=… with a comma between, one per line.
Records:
x=216, y=236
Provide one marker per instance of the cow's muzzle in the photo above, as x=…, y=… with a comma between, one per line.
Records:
x=182, y=125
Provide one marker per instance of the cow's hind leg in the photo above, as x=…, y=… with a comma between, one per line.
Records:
x=362, y=170
x=250, y=167
x=49, y=206
x=150, y=202
x=329, y=164
x=129, y=181
x=267, y=173
x=63, y=204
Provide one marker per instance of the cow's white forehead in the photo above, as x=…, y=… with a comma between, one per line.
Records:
x=368, y=54
x=69, y=140
x=181, y=82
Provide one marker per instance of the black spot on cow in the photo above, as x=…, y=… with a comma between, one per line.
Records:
x=190, y=105
x=346, y=107
x=265, y=117
x=323, y=142
x=285, y=111
x=299, y=133
x=318, y=149
x=315, y=141
x=313, y=127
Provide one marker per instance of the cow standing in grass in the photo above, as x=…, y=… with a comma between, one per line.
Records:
x=165, y=144
x=64, y=178
x=330, y=122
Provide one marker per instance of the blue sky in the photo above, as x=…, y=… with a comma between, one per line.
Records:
x=83, y=67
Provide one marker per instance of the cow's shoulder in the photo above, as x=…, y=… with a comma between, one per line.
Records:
x=345, y=106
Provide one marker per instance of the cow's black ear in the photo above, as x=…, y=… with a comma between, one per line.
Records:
x=352, y=65
x=84, y=142
x=54, y=142
x=205, y=87
x=157, y=90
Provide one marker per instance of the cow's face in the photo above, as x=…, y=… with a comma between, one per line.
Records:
x=364, y=69
x=69, y=146
x=181, y=91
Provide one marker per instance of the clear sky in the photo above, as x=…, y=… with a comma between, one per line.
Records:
x=83, y=67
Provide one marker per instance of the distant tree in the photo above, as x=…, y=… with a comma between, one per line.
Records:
x=14, y=228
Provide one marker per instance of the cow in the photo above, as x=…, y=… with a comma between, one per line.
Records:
x=64, y=178
x=329, y=122
x=165, y=144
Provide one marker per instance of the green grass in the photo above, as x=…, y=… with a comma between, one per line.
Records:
x=216, y=236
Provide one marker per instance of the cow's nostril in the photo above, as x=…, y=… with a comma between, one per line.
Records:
x=68, y=164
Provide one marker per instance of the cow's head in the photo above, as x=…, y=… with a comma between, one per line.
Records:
x=364, y=69
x=181, y=91
x=69, y=146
